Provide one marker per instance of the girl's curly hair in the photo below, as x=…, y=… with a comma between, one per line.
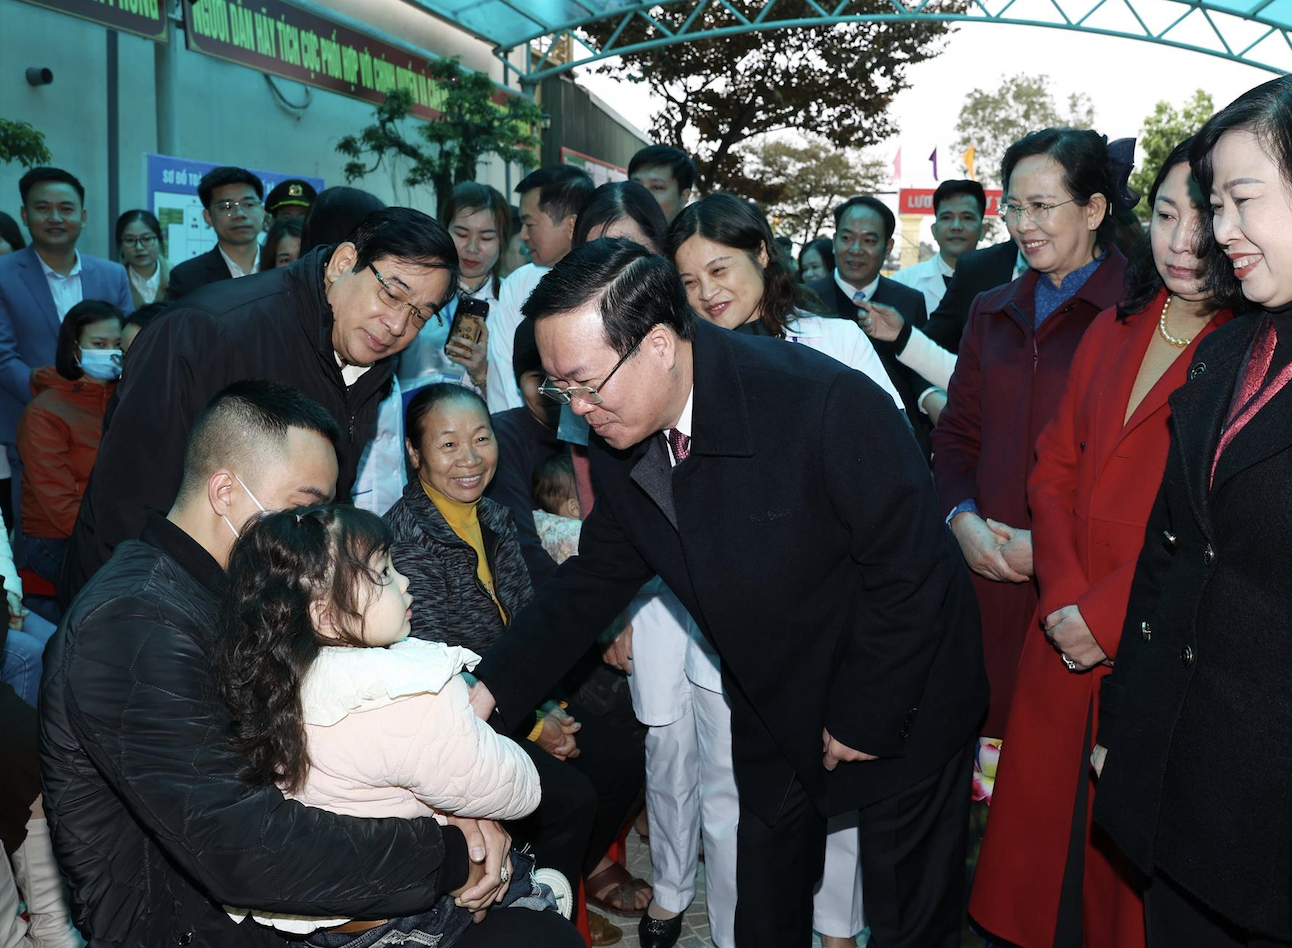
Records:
x=284, y=563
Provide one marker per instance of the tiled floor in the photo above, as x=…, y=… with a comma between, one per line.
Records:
x=695, y=924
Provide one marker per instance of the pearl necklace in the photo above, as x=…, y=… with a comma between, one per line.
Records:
x=1161, y=328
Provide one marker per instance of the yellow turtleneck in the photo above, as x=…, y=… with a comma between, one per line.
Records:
x=464, y=520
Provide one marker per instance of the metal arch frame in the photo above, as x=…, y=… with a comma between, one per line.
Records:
x=534, y=72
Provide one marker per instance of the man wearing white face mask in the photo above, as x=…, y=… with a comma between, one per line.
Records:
x=237, y=534
x=59, y=432
x=143, y=793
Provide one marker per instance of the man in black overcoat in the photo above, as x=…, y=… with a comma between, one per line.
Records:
x=781, y=496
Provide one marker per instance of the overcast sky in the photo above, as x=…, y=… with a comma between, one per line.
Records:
x=1124, y=79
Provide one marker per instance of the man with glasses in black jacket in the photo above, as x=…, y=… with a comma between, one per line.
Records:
x=329, y=325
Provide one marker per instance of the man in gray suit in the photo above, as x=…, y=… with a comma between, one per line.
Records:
x=40, y=283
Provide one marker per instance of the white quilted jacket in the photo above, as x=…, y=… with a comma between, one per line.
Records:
x=391, y=733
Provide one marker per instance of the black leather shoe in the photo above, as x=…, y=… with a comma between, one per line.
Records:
x=659, y=932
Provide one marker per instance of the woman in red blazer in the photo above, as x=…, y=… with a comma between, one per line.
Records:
x=1044, y=878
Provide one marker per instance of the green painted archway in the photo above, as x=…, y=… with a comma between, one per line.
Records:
x=1251, y=32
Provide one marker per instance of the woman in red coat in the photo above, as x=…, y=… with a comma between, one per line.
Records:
x=1060, y=192
x=1044, y=879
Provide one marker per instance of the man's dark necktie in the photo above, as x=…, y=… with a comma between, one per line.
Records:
x=680, y=443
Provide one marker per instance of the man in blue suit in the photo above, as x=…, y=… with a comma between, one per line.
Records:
x=40, y=283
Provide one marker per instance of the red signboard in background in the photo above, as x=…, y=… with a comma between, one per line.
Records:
x=920, y=201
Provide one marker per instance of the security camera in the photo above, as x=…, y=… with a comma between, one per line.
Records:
x=39, y=76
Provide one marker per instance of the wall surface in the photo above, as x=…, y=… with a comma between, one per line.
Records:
x=581, y=122
x=227, y=113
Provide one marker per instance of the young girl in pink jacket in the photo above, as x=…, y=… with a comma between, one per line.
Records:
x=335, y=704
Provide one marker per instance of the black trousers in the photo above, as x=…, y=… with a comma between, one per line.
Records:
x=585, y=800
x=1175, y=918
x=912, y=860
x=20, y=764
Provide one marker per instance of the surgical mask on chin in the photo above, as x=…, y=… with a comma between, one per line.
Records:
x=236, y=534
x=101, y=364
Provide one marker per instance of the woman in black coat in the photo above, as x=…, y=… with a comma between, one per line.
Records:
x=468, y=580
x=1196, y=720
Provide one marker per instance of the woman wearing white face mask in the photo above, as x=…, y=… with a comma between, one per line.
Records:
x=58, y=436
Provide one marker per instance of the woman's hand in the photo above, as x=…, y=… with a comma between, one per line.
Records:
x=982, y=549
x=473, y=356
x=1016, y=546
x=488, y=849
x=1068, y=633
x=881, y=322
x=557, y=736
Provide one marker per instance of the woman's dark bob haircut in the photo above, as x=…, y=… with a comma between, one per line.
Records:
x=69, y=334
x=622, y=200
x=428, y=399
x=1083, y=155
x=1265, y=112
x=727, y=220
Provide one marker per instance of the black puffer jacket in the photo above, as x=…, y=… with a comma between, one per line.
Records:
x=449, y=603
x=151, y=825
x=275, y=325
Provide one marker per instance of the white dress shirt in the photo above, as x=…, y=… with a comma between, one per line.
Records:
x=235, y=270
x=146, y=287
x=929, y=277
x=868, y=293
x=868, y=290
x=501, y=390
x=66, y=290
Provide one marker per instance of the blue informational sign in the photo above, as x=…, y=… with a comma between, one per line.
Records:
x=172, y=195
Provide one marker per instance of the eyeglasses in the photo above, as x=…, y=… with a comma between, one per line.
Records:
x=397, y=302
x=231, y=208
x=147, y=240
x=1035, y=212
x=584, y=393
